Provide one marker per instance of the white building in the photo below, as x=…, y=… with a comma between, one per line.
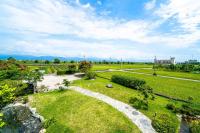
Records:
x=167, y=62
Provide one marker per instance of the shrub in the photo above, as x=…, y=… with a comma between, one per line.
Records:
x=154, y=74
x=194, y=126
x=127, y=81
x=138, y=103
x=7, y=95
x=163, y=124
x=171, y=106
x=90, y=75
x=61, y=88
x=84, y=66
x=71, y=69
x=66, y=82
x=184, y=109
x=61, y=72
x=2, y=123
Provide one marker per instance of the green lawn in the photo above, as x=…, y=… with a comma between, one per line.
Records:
x=124, y=94
x=168, y=73
x=171, y=87
x=118, y=66
x=75, y=112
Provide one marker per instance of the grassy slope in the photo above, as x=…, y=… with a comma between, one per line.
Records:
x=118, y=66
x=174, y=74
x=171, y=87
x=75, y=112
x=124, y=94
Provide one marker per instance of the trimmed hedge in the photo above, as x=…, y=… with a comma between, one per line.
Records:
x=128, y=81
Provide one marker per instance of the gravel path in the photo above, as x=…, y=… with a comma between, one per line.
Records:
x=143, y=122
x=53, y=82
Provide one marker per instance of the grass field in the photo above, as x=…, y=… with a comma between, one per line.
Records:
x=168, y=73
x=75, y=112
x=118, y=66
x=124, y=94
x=170, y=87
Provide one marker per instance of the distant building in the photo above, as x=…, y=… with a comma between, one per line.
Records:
x=167, y=62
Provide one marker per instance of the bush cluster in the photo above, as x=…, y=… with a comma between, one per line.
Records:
x=163, y=124
x=138, y=103
x=61, y=72
x=90, y=75
x=194, y=126
x=7, y=95
x=71, y=69
x=127, y=81
x=184, y=109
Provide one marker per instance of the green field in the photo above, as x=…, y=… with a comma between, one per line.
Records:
x=124, y=94
x=170, y=87
x=75, y=112
x=170, y=73
x=118, y=66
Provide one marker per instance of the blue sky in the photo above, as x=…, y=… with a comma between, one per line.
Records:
x=128, y=29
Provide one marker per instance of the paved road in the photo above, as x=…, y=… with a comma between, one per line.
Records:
x=139, y=119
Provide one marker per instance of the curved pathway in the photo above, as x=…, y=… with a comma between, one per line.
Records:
x=143, y=122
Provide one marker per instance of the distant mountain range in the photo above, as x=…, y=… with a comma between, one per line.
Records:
x=30, y=57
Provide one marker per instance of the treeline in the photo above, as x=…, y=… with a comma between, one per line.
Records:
x=179, y=67
x=58, y=61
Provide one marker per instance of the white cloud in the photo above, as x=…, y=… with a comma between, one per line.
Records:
x=150, y=5
x=70, y=48
x=187, y=13
x=57, y=17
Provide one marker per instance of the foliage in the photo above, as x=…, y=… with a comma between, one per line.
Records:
x=185, y=67
x=56, y=61
x=128, y=81
x=32, y=77
x=154, y=74
x=162, y=124
x=21, y=88
x=7, y=95
x=194, y=126
x=90, y=75
x=46, y=61
x=138, y=103
x=36, y=61
x=185, y=109
x=71, y=69
x=2, y=123
x=61, y=72
x=66, y=82
x=84, y=66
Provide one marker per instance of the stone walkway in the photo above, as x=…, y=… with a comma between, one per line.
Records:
x=143, y=122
